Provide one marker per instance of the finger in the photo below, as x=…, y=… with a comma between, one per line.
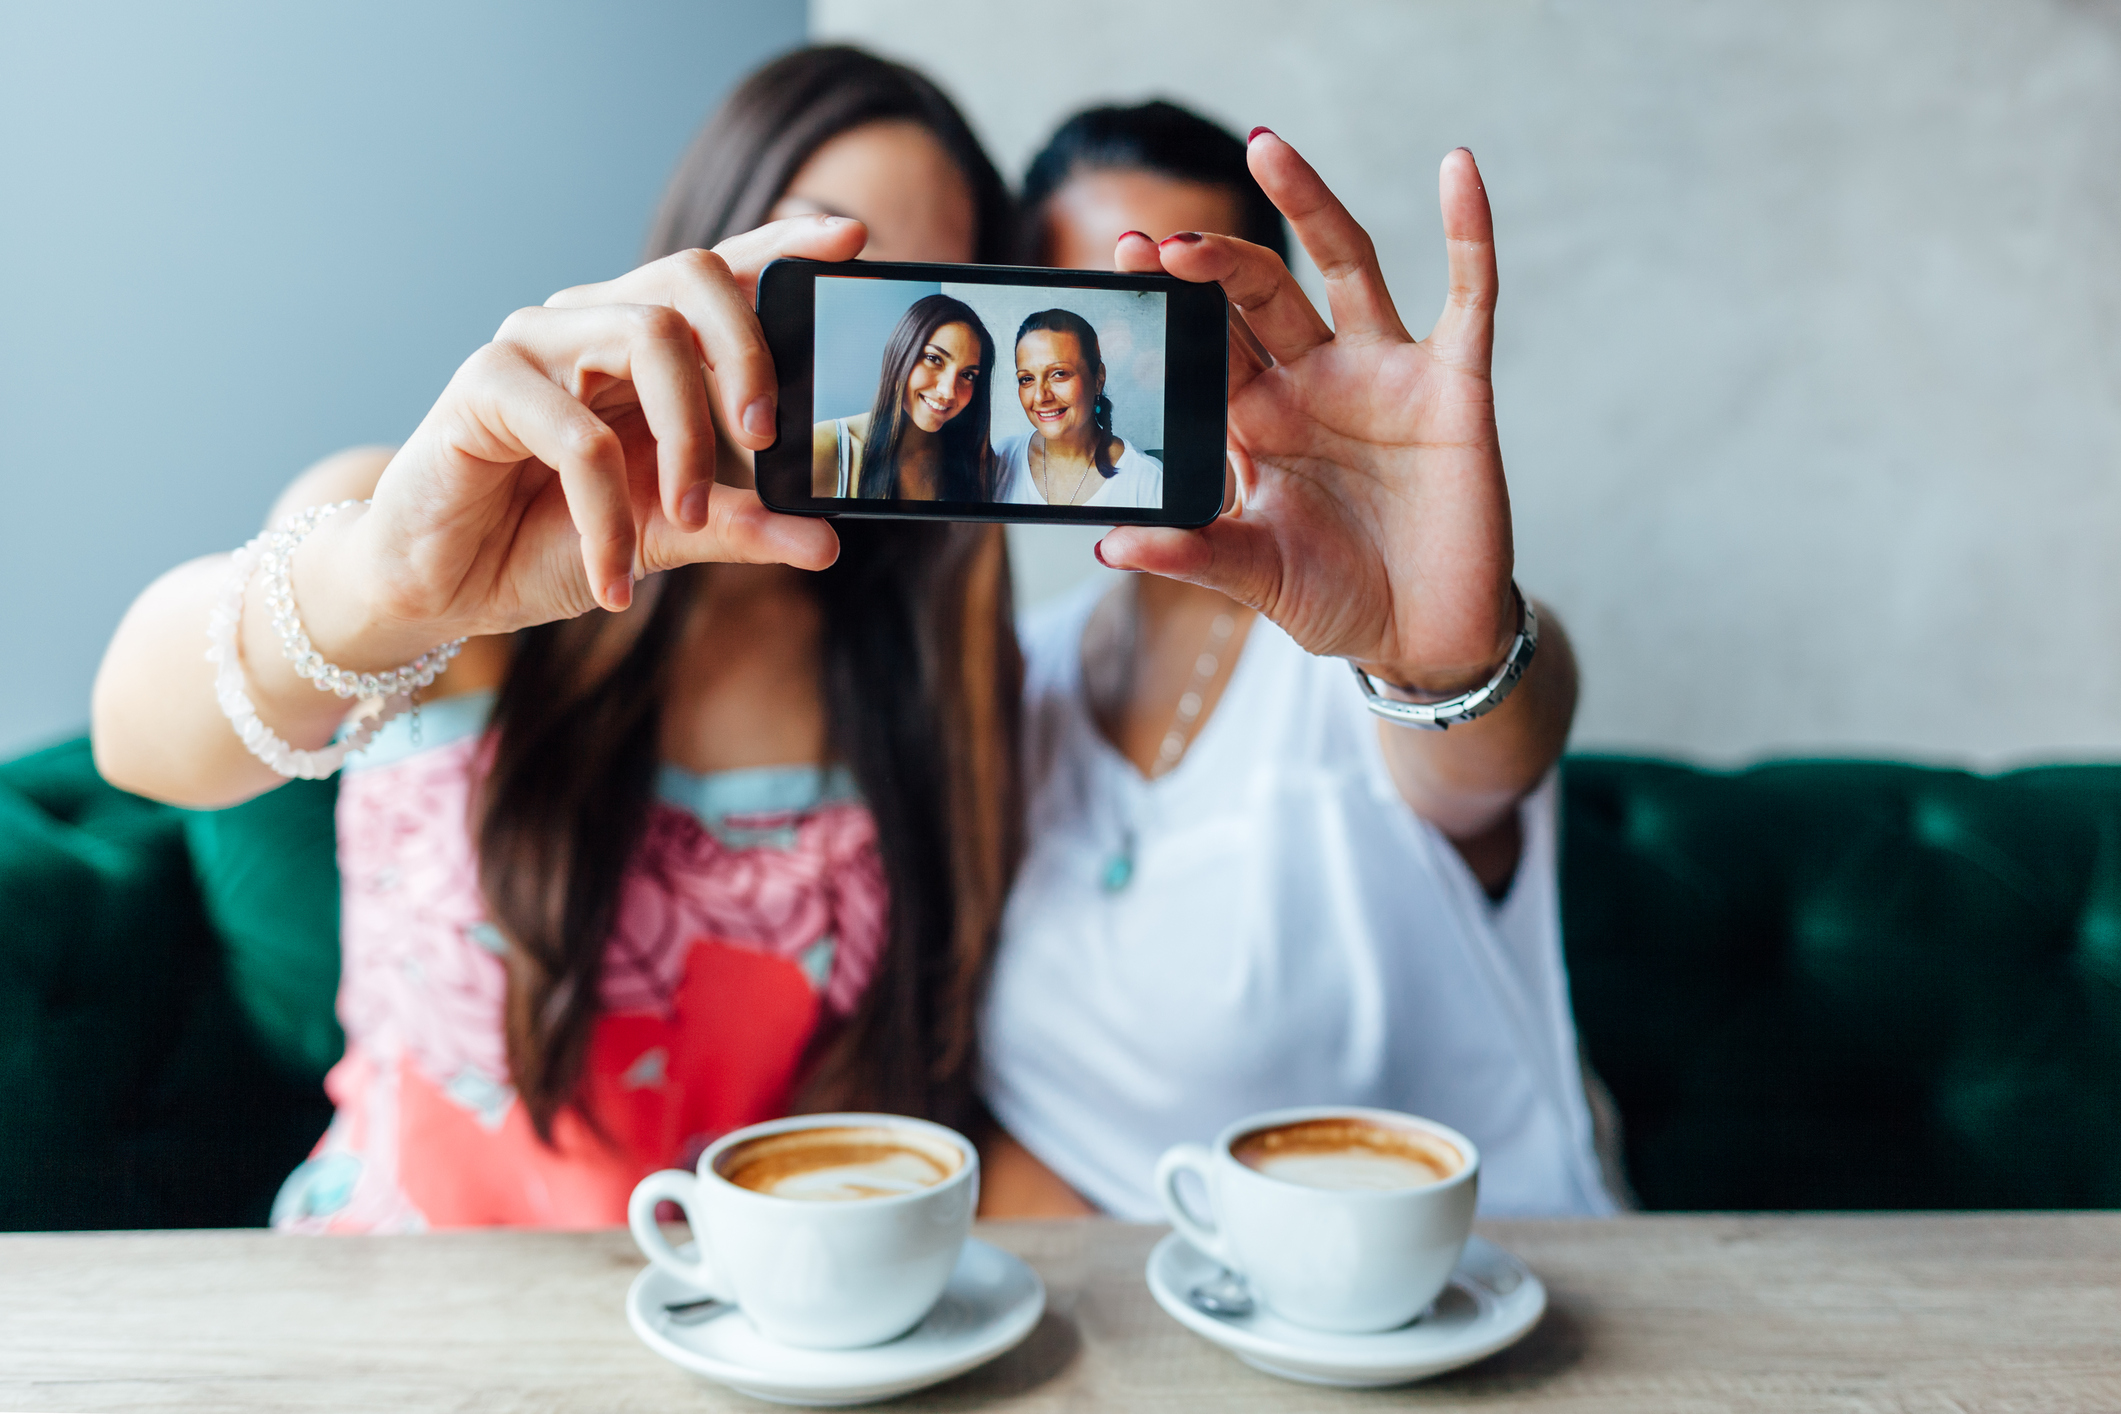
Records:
x=1137, y=255
x=651, y=348
x=1235, y=556
x=715, y=290
x=1274, y=305
x=740, y=529
x=518, y=404
x=699, y=286
x=804, y=237
x=1341, y=248
x=1464, y=336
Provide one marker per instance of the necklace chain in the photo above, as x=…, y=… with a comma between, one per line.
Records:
x=1045, y=466
x=1205, y=667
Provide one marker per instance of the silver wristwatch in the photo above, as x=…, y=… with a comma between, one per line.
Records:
x=1466, y=706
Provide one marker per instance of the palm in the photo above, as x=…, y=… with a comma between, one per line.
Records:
x=1372, y=519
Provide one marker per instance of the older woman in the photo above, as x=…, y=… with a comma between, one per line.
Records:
x=1243, y=889
x=1070, y=457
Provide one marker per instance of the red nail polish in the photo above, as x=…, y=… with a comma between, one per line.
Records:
x=1143, y=234
x=1099, y=550
x=1188, y=237
x=1256, y=132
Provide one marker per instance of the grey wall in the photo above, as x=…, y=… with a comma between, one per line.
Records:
x=235, y=237
x=1809, y=367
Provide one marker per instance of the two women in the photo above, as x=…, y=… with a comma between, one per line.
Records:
x=926, y=437
x=714, y=814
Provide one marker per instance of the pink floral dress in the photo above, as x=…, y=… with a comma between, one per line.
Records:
x=752, y=916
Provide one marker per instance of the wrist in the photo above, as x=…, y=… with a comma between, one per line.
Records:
x=341, y=603
x=1430, y=682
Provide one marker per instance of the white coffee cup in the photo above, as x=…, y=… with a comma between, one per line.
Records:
x=1335, y=1259
x=824, y=1275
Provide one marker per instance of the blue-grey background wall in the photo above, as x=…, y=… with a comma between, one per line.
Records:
x=235, y=237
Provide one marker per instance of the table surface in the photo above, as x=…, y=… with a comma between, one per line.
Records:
x=1858, y=1313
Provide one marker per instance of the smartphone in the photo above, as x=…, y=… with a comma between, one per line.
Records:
x=994, y=392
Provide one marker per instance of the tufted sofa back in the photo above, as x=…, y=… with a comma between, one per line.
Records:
x=1808, y=985
x=1845, y=984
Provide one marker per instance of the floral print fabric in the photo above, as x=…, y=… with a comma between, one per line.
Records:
x=752, y=914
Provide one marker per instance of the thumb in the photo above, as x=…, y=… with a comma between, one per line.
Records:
x=1231, y=555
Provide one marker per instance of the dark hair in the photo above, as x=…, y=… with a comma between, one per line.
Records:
x=967, y=459
x=1157, y=137
x=750, y=150
x=919, y=674
x=1067, y=321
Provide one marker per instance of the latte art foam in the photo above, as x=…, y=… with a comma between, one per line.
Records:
x=1348, y=1154
x=838, y=1165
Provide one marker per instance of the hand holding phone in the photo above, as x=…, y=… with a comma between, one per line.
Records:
x=1372, y=518
x=969, y=392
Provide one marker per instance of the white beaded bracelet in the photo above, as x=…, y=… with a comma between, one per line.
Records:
x=397, y=688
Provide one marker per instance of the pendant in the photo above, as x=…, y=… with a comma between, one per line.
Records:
x=1119, y=870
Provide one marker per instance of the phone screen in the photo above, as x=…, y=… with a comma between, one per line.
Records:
x=990, y=393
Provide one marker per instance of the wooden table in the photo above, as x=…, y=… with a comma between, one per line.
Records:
x=1648, y=1313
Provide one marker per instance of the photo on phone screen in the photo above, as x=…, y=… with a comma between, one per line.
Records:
x=988, y=393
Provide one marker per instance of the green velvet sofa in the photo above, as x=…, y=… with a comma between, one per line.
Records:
x=1807, y=985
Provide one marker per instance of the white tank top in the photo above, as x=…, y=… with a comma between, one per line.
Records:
x=1290, y=933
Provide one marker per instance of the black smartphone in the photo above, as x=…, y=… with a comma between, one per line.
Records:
x=995, y=392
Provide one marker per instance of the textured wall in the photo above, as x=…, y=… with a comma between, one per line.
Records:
x=236, y=236
x=1810, y=345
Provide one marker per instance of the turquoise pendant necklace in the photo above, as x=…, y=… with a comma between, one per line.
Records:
x=1119, y=869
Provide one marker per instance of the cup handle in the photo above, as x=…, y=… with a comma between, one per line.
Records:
x=1197, y=1160
x=677, y=1186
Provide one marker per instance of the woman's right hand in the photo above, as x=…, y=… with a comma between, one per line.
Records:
x=568, y=457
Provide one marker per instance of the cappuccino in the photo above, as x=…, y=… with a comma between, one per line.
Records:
x=1348, y=1154
x=839, y=1163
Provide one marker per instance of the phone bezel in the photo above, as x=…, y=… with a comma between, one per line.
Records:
x=1196, y=394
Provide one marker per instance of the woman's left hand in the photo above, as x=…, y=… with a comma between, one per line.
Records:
x=1372, y=521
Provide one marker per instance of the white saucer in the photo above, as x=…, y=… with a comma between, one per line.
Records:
x=992, y=1302
x=1493, y=1299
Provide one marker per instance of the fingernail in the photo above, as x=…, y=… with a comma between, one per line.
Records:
x=1143, y=234
x=619, y=593
x=1099, y=550
x=1256, y=132
x=758, y=417
x=1189, y=237
x=692, y=510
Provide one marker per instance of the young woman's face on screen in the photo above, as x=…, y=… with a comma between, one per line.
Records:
x=1058, y=393
x=894, y=177
x=941, y=384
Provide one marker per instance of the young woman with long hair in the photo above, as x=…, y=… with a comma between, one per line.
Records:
x=925, y=436
x=714, y=814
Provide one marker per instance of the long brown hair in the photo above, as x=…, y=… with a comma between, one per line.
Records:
x=918, y=671
x=967, y=462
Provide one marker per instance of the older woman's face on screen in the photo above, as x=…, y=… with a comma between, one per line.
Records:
x=941, y=384
x=895, y=178
x=1057, y=391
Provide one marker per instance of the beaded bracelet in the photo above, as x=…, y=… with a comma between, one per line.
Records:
x=398, y=688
